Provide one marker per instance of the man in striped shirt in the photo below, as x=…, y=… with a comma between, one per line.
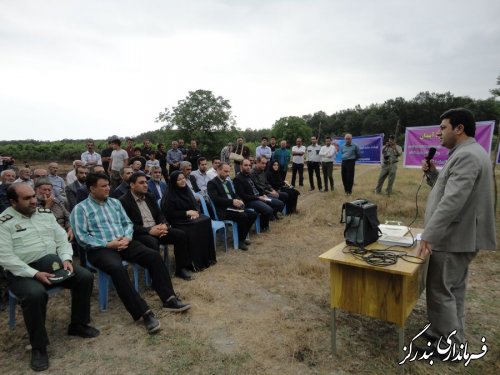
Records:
x=102, y=227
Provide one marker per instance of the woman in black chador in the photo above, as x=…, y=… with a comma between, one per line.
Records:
x=279, y=184
x=181, y=210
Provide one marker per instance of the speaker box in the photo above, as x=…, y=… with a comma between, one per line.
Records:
x=361, y=222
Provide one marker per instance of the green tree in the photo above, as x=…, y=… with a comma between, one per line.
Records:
x=496, y=92
x=204, y=117
x=290, y=128
x=373, y=123
x=319, y=123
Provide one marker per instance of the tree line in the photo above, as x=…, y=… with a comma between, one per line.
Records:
x=208, y=119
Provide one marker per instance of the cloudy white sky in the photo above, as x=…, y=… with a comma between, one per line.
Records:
x=78, y=69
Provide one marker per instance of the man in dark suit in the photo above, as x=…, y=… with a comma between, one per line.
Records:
x=150, y=226
x=254, y=197
x=121, y=189
x=155, y=185
x=72, y=189
x=229, y=206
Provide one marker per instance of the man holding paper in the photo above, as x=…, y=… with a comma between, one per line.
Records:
x=229, y=206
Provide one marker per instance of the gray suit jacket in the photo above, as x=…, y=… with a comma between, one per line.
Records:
x=460, y=216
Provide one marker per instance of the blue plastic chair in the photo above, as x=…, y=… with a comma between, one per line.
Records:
x=104, y=281
x=147, y=278
x=217, y=225
x=234, y=225
x=257, y=221
x=13, y=302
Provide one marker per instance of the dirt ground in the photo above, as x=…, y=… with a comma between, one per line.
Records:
x=267, y=311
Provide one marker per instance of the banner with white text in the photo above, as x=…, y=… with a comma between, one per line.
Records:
x=370, y=147
x=419, y=139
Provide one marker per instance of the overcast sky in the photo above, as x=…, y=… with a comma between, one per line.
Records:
x=79, y=69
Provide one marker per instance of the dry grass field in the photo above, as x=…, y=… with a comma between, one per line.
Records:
x=266, y=311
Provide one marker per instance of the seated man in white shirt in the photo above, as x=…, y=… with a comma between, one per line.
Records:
x=25, y=177
x=71, y=176
x=186, y=169
x=201, y=175
x=212, y=172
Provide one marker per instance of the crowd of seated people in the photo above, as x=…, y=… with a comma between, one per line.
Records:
x=116, y=207
x=259, y=186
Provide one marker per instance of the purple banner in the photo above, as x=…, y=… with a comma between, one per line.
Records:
x=370, y=147
x=419, y=139
x=498, y=156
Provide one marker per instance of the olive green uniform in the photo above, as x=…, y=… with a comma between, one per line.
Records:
x=390, y=156
x=24, y=240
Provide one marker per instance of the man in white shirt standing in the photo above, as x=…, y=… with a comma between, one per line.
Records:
x=119, y=159
x=90, y=157
x=314, y=163
x=328, y=153
x=298, y=152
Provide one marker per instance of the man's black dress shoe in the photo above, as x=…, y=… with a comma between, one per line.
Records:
x=152, y=324
x=174, y=304
x=183, y=274
x=39, y=359
x=82, y=330
x=242, y=246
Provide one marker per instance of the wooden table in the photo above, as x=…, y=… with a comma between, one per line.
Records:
x=387, y=293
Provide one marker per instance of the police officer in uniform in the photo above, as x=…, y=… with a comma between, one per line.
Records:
x=28, y=237
x=390, y=153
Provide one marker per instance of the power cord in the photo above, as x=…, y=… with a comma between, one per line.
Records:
x=387, y=257
x=381, y=257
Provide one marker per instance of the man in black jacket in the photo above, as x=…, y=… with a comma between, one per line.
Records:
x=72, y=189
x=229, y=206
x=123, y=187
x=150, y=226
x=254, y=197
x=193, y=154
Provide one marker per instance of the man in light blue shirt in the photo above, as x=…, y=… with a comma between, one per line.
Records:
x=263, y=149
x=174, y=157
x=57, y=182
x=350, y=153
x=102, y=227
x=201, y=175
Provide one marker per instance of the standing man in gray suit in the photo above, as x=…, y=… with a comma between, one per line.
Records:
x=459, y=221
